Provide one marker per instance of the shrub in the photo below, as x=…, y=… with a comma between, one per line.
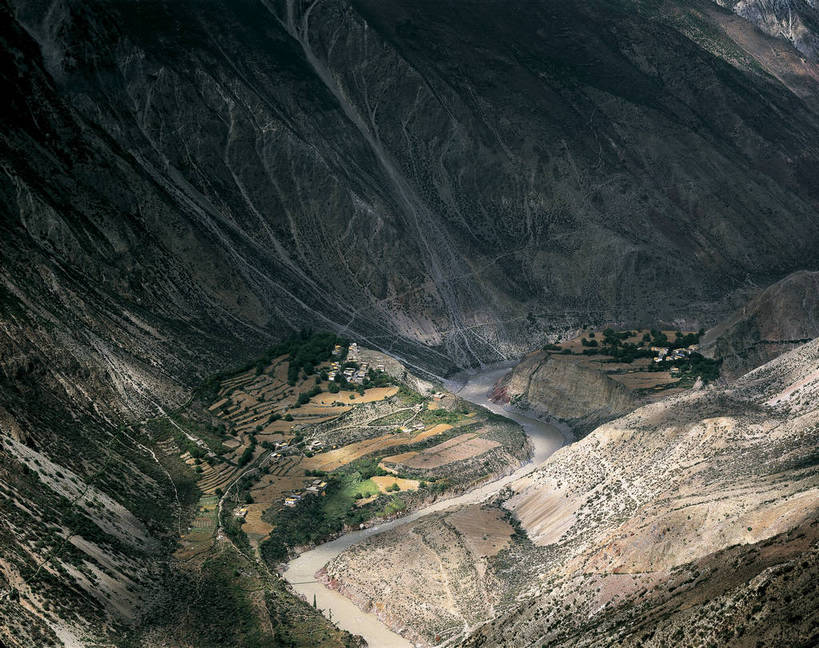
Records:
x=305, y=397
x=247, y=455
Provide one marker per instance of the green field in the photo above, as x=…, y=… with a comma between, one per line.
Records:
x=338, y=504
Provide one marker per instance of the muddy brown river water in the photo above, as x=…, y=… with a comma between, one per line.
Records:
x=300, y=571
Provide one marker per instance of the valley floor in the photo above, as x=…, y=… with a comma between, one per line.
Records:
x=285, y=457
x=307, y=574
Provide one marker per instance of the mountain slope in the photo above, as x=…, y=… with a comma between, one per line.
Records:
x=794, y=21
x=668, y=494
x=416, y=174
x=451, y=183
x=781, y=317
x=692, y=519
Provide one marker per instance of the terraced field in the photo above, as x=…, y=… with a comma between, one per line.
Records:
x=200, y=536
x=289, y=458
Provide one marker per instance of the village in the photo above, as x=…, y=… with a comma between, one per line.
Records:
x=352, y=371
x=318, y=435
x=665, y=354
x=652, y=362
x=330, y=436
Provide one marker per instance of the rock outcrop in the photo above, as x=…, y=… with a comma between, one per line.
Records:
x=782, y=317
x=559, y=387
x=794, y=21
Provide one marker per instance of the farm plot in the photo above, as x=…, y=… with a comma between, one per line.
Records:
x=385, y=481
x=459, y=448
x=216, y=477
x=335, y=459
x=200, y=536
x=353, y=398
x=256, y=528
x=435, y=430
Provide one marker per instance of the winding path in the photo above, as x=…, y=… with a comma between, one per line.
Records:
x=300, y=572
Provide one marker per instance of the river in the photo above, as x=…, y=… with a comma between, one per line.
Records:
x=300, y=572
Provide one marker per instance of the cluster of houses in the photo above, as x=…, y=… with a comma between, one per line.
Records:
x=316, y=487
x=664, y=353
x=412, y=428
x=315, y=445
x=355, y=376
x=351, y=375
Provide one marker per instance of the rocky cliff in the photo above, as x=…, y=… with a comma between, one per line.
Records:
x=560, y=387
x=780, y=318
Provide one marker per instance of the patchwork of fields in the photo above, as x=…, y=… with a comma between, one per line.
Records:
x=291, y=457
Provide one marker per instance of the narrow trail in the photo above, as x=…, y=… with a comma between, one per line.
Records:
x=167, y=474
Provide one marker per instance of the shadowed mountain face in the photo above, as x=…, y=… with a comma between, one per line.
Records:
x=448, y=182
x=424, y=175
x=780, y=318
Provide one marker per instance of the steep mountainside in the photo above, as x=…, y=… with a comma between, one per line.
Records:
x=184, y=182
x=795, y=21
x=690, y=521
x=418, y=173
x=780, y=318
